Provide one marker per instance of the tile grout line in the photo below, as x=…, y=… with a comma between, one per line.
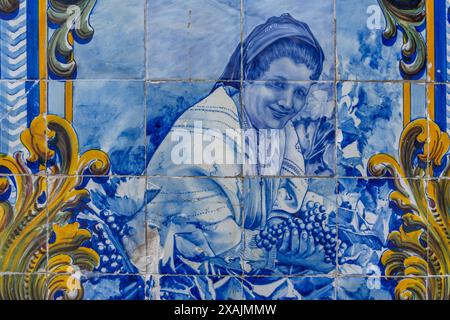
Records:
x=193, y=80
x=335, y=279
x=241, y=108
x=46, y=112
x=146, y=105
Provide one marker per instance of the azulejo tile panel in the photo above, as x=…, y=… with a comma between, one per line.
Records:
x=115, y=218
x=224, y=149
x=311, y=132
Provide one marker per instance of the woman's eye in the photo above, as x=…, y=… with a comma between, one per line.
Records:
x=277, y=85
x=300, y=93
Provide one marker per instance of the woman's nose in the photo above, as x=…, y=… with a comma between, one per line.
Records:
x=287, y=101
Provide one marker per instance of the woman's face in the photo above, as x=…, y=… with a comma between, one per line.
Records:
x=271, y=101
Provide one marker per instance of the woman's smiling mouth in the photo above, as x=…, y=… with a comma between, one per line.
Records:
x=278, y=114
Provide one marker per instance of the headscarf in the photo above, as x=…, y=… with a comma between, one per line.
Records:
x=264, y=35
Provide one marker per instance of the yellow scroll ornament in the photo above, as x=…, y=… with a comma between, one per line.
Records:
x=45, y=268
x=421, y=246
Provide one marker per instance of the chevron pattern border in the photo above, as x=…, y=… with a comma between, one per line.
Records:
x=13, y=65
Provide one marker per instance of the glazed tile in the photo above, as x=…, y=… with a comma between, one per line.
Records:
x=315, y=19
x=18, y=45
x=365, y=217
x=13, y=290
x=196, y=288
x=376, y=288
x=289, y=128
x=116, y=125
x=112, y=45
x=371, y=119
x=289, y=288
x=193, y=129
x=363, y=50
x=113, y=287
x=199, y=223
x=297, y=235
x=20, y=105
x=179, y=41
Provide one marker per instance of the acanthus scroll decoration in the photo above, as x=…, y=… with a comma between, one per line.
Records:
x=9, y=6
x=407, y=16
x=72, y=19
x=29, y=203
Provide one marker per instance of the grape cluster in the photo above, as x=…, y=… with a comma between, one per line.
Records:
x=111, y=260
x=313, y=219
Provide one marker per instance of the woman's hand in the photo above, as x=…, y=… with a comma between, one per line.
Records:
x=299, y=249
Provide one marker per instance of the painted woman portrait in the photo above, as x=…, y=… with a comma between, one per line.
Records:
x=207, y=215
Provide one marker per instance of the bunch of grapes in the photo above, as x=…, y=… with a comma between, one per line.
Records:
x=111, y=260
x=313, y=219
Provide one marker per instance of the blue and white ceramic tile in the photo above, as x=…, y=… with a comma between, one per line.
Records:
x=199, y=223
x=109, y=116
x=371, y=288
x=365, y=218
x=363, y=53
x=191, y=39
x=118, y=51
x=195, y=288
x=166, y=102
x=193, y=129
x=294, y=122
x=289, y=288
x=290, y=226
x=113, y=287
x=370, y=121
x=316, y=19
